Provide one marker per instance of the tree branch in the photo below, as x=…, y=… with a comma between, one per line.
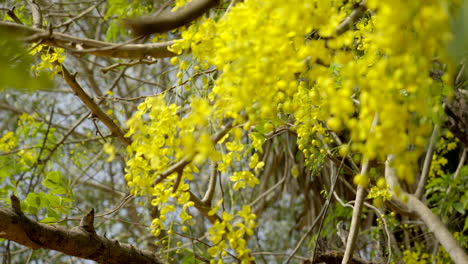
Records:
x=211, y=185
x=360, y=195
x=88, y=46
x=170, y=20
x=427, y=163
x=78, y=242
x=180, y=165
x=93, y=106
x=440, y=231
x=203, y=208
x=349, y=21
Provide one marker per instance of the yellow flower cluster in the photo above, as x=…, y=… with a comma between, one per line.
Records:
x=225, y=232
x=446, y=143
x=49, y=57
x=160, y=136
x=283, y=63
x=380, y=193
x=8, y=141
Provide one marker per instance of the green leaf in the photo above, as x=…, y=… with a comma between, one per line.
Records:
x=53, y=180
x=54, y=200
x=52, y=213
x=66, y=199
x=44, y=199
x=54, y=176
x=465, y=227
x=58, y=190
x=33, y=200
x=459, y=207
x=49, y=220
x=464, y=200
x=112, y=31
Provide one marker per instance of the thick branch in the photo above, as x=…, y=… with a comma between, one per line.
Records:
x=440, y=231
x=88, y=46
x=171, y=20
x=74, y=242
x=446, y=239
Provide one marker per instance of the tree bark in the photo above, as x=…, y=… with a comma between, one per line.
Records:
x=414, y=205
x=76, y=242
x=170, y=20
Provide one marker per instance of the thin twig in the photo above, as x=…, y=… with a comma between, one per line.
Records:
x=180, y=165
x=166, y=90
x=119, y=205
x=278, y=184
x=427, y=163
x=322, y=213
x=93, y=106
x=348, y=21
x=80, y=15
x=457, y=172
x=330, y=195
x=132, y=63
x=360, y=195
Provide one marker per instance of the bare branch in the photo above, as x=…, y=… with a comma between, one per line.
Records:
x=12, y=15
x=427, y=163
x=93, y=106
x=80, y=15
x=360, y=195
x=170, y=20
x=349, y=20
x=440, y=231
x=180, y=165
x=211, y=185
x=74, y=242
x=36, y=14
x=95, y=47
x=132, y=63
x=203, y=208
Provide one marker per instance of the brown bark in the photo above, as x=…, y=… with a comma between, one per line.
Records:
x=171, y=20
x=335, y=257
x=94, y=107
x=457, y=115
x=432, y=221
x=78, y=242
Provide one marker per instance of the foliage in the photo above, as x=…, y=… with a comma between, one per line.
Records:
x=446, y=191
x=260, y=111
x=14, y=69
